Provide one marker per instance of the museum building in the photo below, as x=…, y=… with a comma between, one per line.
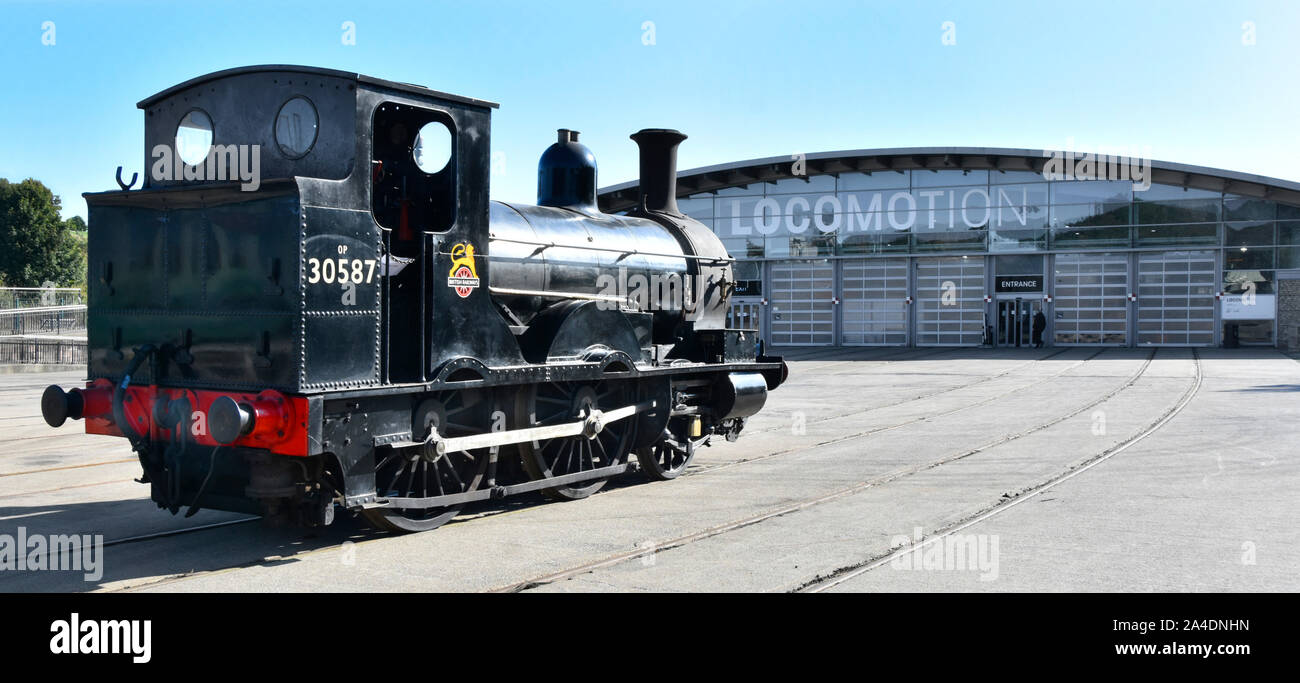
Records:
x=959, y=246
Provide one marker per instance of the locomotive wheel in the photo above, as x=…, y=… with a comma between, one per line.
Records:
x=422, y=473
x=549, y=404
x=664, y=459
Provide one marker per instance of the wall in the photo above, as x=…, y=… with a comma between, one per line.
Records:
x=1288, y=315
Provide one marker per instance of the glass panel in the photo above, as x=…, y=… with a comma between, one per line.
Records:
x=194, y=137
x=1159, y=192
x=1248, y=234
x=432, y=150
x=1237, y=208
x=1082, y=237
x=1255, y=332
x=1018, y=265
x=1070, y=215
x=800, y=246
x=701, y=207
x=744, y=247
x=820, y=183
x=1202, y=233
x=946, y=178
x=971, y=240
x=1091, y=191
x=295, y=127
x=1288, y=257
x=1010, y=177
x=1247, y=258
x=1288, y=232
x=884, y=241
x=1020, y=195
x=879, y=180
x=741, y=191
x=1017, y=240
x=1234, y=281
x=1177, y=211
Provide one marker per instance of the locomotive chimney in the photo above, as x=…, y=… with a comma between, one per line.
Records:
x=659, y=168
x=566, y=174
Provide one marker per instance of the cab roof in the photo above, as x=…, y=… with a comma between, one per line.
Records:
x=418, y=90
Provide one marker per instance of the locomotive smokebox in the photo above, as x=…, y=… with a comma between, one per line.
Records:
x=659, y=168
x=566, y=175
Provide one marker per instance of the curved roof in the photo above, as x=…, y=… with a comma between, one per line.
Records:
x=315, y=71
x=709, y=178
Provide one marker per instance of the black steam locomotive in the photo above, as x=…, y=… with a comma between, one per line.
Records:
x=311, y=301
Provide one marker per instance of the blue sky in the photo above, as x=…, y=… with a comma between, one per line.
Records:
x=743, y=78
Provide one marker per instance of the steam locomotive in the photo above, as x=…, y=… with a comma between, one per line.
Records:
x=311, y=303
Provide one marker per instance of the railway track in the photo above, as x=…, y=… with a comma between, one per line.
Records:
x=61, y=468
x=746, y=522
x=840, y=356
x=900, y=473
x=847, y=573
x=179, y=532
x=787, y=509
x=982, y=380
x=858, y=435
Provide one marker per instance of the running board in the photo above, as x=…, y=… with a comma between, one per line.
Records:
x=498, y=491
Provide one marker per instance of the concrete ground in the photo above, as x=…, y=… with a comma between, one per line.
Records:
x=870, y=470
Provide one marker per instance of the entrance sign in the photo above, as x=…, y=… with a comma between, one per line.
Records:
x=1019, y=283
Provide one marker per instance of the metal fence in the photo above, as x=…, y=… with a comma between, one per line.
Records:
x=33, y=297
x=52, y=320
x=54, y=351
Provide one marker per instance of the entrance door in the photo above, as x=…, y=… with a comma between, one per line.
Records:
x=744, y=315
x=1015, y=321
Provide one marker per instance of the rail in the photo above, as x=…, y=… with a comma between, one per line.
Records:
x=48, y=320
x=542, y=246
x=54, y=351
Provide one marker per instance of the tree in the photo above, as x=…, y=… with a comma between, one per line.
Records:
x=38, y=247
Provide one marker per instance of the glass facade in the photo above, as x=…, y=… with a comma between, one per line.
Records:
x=922, y=211
x=917, y=257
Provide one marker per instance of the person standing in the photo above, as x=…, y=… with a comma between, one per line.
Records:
x=1040, y=324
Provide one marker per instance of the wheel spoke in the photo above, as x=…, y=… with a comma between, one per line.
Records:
x=460, y=485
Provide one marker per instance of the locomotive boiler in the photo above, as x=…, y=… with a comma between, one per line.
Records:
x=312, y=304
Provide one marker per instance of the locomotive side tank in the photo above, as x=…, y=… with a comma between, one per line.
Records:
x=359, y=328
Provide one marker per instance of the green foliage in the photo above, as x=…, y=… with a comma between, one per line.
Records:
x=36, y=246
